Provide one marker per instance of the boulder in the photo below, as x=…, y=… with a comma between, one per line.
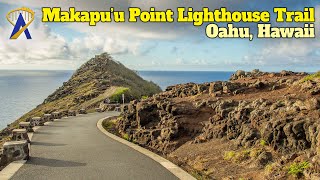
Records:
x=215, y=87
x=255, y=71
x=312, y=104
x=286, y=73
x=240, y=73
x=202, y=88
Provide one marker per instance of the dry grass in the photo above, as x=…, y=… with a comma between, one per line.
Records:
x=311, y=77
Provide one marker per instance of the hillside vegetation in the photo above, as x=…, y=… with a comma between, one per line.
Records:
x=99, y=78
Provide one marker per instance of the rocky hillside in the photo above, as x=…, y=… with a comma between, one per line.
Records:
x=258, y=126
x=96, y=80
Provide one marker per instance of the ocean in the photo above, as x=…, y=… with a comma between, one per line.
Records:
x=21, y=91
x=167, y=78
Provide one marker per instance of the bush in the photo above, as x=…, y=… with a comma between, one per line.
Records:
x=296, y=169
x=312, y=76
x=272, y=168
x=108, y=124
x=144, y=97
x=269, y=168
x=242, y=156
x=229, y=155
x=117, y=96
x=126, y=137
x=263, y=143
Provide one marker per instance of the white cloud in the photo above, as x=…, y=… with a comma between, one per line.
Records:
x=287, y=52
x=44, y=45
x=47, y=48
x=130, y=38
x=180, y=61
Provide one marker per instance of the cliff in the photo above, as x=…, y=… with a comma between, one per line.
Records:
x=95, y=81
x=258, y=125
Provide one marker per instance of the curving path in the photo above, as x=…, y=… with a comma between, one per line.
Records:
x=74, y=148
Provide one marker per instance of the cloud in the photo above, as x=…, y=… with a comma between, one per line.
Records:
x=94, y=44
x=286, y=53
x=140, y=39
x=152, y=30
x=44, y=45
x=48, y=48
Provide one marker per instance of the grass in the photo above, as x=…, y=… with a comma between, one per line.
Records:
x=269, y=168
x=108, y=124
x=296, y=169
x=126, y=137
x=199, y=175
x=117, y=96
x=94, y=102
x=311, y=77
x=242, y=156
x=263, y=142
x=83, y=89
x=229, y=155
x=144, y=97
x=256, y=152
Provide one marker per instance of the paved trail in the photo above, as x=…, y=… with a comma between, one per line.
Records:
x=74, y=148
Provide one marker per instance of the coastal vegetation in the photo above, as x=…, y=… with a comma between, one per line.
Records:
x=95, y=81
x=312, y=76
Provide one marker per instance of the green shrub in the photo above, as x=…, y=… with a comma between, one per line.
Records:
x=229, y=155
x=117, y=96
x=269, y=168
x=242, y=156
x=126, y=137
x=311, y=76
x=144, y=97
x=263, y=142
x=296, y=169
x=272, y=168
x=107, y=124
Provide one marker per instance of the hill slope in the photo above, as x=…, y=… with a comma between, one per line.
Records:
x=99, y=78
x=258, y=126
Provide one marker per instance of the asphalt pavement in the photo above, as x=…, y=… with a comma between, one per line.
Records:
x=73, y=148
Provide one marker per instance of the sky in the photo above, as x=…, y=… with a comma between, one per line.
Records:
x=153, y=46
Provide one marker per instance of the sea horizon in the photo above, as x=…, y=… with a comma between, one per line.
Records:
x=23, y=90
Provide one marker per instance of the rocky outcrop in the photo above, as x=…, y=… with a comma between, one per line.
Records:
x=256, y=73
x=280, y=110
x=288, y=126
x=161, y=125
